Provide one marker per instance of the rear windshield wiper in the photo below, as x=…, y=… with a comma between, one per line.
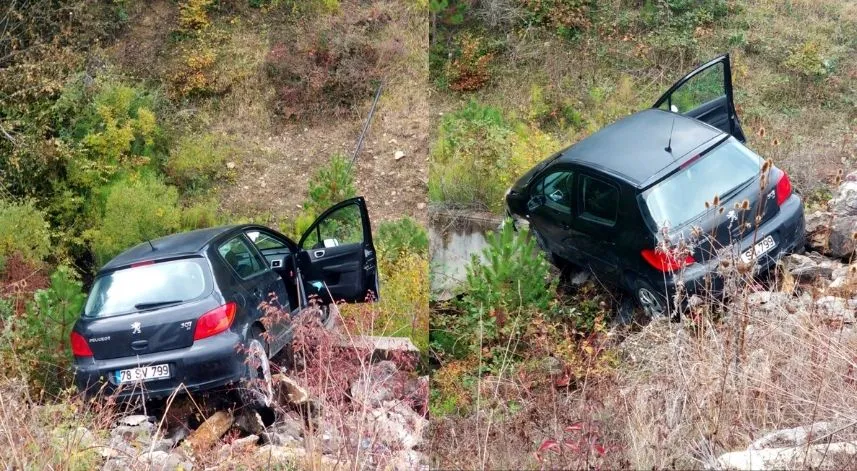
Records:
x=155, y=304
x=735, y=190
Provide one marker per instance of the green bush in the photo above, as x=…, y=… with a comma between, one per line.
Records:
x=566, y=17
x=200, y=215
x=24, y=229
x=808, y=61
x=193, y=14
x=400, y=237
x=505, y=288
x=552, y=110
x=36, y=344
x=198, y=161
x=478, y=154
x=511, y=276
x=299, y=6
x=683, y=15
x=331, y=184
x=113, y=126
x=134, y=210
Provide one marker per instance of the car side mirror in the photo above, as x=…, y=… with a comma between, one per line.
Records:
x=535, y=202
x=328, y=243
x=674, y=108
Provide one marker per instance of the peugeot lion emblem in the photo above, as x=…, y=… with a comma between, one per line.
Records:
x=135, y=328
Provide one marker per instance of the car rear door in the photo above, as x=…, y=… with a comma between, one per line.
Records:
x=337, y=257
x=706, y=94
x=596, y=228
x=262, y=288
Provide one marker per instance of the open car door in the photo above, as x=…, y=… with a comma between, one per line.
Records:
x=337, y=258
x=706, y=94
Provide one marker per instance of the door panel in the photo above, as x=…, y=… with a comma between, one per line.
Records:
x=706, y=94
x=337, y=256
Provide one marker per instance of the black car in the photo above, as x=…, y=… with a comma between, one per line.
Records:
x=674, y=175
x=187, y=309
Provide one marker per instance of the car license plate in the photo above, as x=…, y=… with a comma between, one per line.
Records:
x=143, y=373
x=762, y=247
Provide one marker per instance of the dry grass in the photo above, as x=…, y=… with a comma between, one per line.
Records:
x=681, y=394
x=688, y=395
x=337, y=430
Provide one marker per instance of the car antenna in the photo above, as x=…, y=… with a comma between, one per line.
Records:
x=669, y=147
x=150, y=244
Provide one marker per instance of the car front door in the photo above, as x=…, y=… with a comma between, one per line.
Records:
x=550, y=209
x=706, y=94
x=596, y=225
x=337, y=257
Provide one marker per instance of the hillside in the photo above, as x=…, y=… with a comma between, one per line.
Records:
x=572, y=376
x=124, y=121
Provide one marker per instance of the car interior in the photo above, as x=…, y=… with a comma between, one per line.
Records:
x=278, y=256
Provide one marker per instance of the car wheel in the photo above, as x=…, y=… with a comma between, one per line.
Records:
x=259, y=389
x=327, y=316
x=654, y=304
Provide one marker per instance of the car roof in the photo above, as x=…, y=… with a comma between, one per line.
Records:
x=171, y=246
x=634, y=148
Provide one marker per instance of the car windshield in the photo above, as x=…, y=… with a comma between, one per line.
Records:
x=147, y=286
x=680, y=198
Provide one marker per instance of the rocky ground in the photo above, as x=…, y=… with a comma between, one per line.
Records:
x=371, y=416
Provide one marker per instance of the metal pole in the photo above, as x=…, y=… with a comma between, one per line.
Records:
x=366, y=124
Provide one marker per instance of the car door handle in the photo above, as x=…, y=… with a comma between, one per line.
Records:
x=318, y=253
x=140, y=344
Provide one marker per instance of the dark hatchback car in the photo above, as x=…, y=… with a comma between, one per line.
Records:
x=674, y=175
x=188, y=309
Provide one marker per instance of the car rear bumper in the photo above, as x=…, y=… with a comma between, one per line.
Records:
x=207, y=364
x=788, y=231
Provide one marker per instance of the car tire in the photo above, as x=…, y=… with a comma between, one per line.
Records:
x=258, y=389
x=327, y=316
x=653, y=303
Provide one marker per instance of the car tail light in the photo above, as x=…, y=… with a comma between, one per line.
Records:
x=784, y=189
x=215, y=321
x=79, y=345
x=663, y=261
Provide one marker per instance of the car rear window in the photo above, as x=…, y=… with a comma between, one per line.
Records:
x=147, y=287
x=681, y=197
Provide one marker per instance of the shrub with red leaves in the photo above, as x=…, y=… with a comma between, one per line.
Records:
x=19, y=280
x=332, y=68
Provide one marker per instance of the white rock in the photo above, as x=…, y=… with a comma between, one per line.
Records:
x=819, y=456
x=399, y=154
x=133, y=420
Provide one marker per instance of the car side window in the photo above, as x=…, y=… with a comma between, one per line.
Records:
x=264, y=241
x=341, y=227
x=241, y=257
x=700, y=89
x=557, y=188
x=599, y=200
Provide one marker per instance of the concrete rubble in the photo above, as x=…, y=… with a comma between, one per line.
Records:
x=387, y=405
